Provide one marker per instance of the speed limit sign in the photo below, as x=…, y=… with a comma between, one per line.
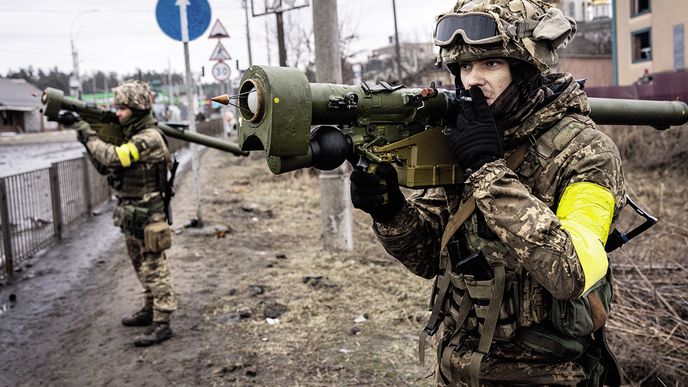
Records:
x=222, y=71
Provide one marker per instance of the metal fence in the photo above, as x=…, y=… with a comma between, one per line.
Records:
x=37, y=207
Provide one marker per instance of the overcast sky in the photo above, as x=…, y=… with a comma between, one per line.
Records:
x=124, y=36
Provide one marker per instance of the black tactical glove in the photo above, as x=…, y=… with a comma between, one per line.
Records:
x=377, y=193
x=84, y=132
x=476, y=140
x=67, y=118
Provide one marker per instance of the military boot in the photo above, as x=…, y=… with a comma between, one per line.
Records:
x=159, y=332
x=140, y=318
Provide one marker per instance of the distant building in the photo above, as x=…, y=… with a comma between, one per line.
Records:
x=584, y=10
x=589, y=55
x=20, y=104
x=381, y=64
x=651, y=38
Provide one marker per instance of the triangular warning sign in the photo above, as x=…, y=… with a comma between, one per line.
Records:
x=218, y=31
x=220, y=53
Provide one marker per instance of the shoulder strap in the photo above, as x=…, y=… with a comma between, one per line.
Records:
x=455, y=221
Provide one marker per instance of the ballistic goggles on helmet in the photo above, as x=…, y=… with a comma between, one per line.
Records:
x=474, y=28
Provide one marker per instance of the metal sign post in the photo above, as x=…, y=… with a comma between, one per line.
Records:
x=192, y=19
x=221, y=70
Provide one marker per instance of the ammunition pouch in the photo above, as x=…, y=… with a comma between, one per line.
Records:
x=133, y=217
x=134, y=220
x=582, y=316
x=157, y=236
x=481, y=292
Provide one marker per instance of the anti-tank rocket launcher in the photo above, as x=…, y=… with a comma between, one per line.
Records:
x=381, y=123
x=106, y=124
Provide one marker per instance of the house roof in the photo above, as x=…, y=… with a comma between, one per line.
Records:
x=19, y=95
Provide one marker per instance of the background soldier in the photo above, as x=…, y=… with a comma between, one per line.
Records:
x=137, y=170
x=522, y=285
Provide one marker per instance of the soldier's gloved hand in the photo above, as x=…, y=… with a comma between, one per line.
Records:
x=84, y=132
x=377, y=193
x=67, y=118
x=476, y=140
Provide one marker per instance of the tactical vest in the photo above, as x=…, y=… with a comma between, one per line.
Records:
x=501, y=302
x=140, y=178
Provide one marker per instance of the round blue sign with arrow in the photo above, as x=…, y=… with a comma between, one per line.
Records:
x=197, y=13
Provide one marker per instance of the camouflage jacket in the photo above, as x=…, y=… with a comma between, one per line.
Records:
x=145, y=174
x=519, y=207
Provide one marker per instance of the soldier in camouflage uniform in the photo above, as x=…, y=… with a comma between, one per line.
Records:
x=137, y=170
x=522, y=281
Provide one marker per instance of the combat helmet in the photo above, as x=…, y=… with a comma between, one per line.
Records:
x=528, y=30
x=135, y=95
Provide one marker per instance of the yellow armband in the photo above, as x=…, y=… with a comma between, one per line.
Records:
x=585, y=212
x=126, y=153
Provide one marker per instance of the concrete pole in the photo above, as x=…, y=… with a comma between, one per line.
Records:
x=77, y=77
x=191, y=112
x=267, y=42
x=282, y=49
x=248, y=35
x=335, y=197
x=396, y=42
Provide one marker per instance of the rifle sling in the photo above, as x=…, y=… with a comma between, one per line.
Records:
x=513, y=162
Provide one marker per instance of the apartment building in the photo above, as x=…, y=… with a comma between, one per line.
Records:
x=650, y=38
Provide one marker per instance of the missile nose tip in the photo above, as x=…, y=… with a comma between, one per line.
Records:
x=223, y=99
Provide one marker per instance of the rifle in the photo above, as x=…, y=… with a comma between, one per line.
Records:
x=380, y=123
x=169, y=192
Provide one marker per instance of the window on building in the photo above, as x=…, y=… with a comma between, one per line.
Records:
x=7, y=118
x=601, y=11
x=642, y=46
x=679, y=50
x=639, y=7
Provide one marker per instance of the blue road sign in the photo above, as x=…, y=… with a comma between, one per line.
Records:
x=198, y=15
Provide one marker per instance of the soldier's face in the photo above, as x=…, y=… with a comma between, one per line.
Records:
x=123, y=114
x=492, y=76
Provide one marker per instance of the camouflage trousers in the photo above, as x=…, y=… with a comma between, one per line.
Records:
x=506, y=366
x=154, y=274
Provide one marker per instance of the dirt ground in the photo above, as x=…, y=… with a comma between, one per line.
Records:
x=260, y=302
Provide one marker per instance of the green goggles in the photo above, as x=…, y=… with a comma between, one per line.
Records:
x=474, y=28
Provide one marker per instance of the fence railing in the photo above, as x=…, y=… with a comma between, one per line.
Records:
x=37, y=207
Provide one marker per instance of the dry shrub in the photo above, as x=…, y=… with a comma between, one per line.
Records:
x=647, y=148
x=648, y=327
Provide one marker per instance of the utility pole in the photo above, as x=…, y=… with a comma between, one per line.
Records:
x=335, y=199
x=76, y=85
x=278, y=10
x=396, y=41
x=267, y=43
x=282, y=49
x=248, y=34
x=191, y=111
x=75, y=82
